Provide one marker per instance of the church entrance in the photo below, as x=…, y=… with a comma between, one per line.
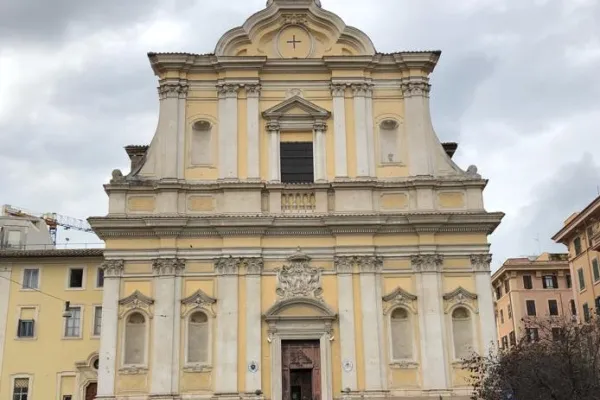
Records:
x=301, y=370
x=90, y=391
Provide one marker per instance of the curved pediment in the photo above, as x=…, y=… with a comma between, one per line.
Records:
x=300, y=308
x=294, y=29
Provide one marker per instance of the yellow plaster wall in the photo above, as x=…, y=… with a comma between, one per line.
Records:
x=141, y=203
x=129, y=286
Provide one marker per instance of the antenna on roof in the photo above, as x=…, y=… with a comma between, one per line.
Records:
x=537, y=239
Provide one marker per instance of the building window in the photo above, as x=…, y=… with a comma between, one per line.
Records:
x=531, y=308
x=597, y=305
x=401, y=334
x=581, y=279
x=67, y=397
x=462, y=332
x=556, y=334
x=501, y=316
x=498, y=292
x=201, y=149
x=97, y=320
x=100, y=278
x=550, y=282
x=532, y=334
x=73, y=322
x=21, y=389
x=527, y=282
x=569, y=283
x=76, y=278
x=135, y=340
x=13, y=239
x=506, y=286
x=388, y=142
x=513, y=338
x=553, y=307
x=586, y=313
x=577, y=246
x=31, y=277
x=573, y=307
x=596, y=270
x=509, y=311
x=197, y=351
x=26, y=328
x=504, y=342
x=297, y=162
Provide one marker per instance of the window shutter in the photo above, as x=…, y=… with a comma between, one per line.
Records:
x=555, y=281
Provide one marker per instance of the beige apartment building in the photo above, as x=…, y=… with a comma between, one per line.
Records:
x=581, y=234
x=535, y=287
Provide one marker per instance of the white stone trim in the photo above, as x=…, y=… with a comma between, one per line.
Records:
x=450, y=332
x=228, y=130
x=370, y=295
x=320, y=152
x=413, y=319
x=163, y=332
x=199, y=366
x=181, y=128
x=13, y=377
x=253, y=331
x=274, y=152
x=253, y=131
x=83, y=279
x=370, y=134
x=39, y=283
x=347, y=330
x=226, y=364
x=109, y=336
x=134, y=368
x=36, y=321
x=5, y=276
x=360, y=130
x=339, y=131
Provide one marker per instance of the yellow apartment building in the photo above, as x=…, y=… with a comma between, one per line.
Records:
x=581, y=234
x=536, y=287
x=294, y=230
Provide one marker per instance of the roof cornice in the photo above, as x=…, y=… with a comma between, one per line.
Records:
x=562, y=235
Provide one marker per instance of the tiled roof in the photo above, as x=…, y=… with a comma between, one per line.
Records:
x=52, y=253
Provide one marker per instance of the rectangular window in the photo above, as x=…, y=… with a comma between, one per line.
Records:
x=509, y=311
x=586, y=313
x=498, y=292
x=596, y=270
x=513, y=338
x=532, y=334
x=581, y=279
x=527, y=282
x=73, y=322
x=67, y=397
x=573, y=307
x=590, y=235
x=76, y=278
x=556, y=334
x=97, y=320
x=297, y=162
x=501, y=316
x=577, y=246
x=13, y=239
x=31, y=278
x=25, y=329
x=550, y=282
x=597, y=305
x=569, y=283
x=504, y=342
x=21, y=389
x=506, y=286
x=531, y=308
x=100, y=278
x=553, y=307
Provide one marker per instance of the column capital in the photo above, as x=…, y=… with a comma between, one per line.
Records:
x=228, y=90
x=254, y=265
x=415, y=86
x=253, y=90
x=227, y=265
x=362, y=89
x=113, y=268
x=173, y=90
x=273, y=127
x=481, y=262
x=320, y=126
x=344, y=264
x=369, y=264
x=168, y=266
x=427, y=262
x=338, y=89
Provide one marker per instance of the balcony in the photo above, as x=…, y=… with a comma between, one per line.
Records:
x=287, y=199
x=298, y=201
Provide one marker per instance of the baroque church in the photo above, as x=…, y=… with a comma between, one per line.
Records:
x=295, y=230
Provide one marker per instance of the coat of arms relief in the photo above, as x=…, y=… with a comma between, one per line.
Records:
x=299, y=279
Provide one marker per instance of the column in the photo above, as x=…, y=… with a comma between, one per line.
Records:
x=5, y=272
x=274, y=149
x=181, y=110
x=253, y=115
x=372, y=320
x=370, y=133
x=171, y=128
x=338, y=92
x=113, y=270
x=483, y=285
x=254, y=268
x=164, y=330
x=360, y=128
x=320, y=151
x=344, y=267
x=228, y=129
x=418, y=126
x=428, y=270
x=227, y=327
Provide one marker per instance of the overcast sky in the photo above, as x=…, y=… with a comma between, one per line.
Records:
x=517, y=86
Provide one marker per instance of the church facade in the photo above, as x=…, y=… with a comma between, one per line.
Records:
x=295, y=230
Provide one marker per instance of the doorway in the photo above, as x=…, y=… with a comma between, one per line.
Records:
x=90, y=391
x=301, y=370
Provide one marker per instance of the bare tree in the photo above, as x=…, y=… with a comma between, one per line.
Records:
x=556, y=359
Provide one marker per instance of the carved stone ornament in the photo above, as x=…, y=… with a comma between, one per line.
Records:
x=344, y=264
x=117, y=176
x=293, y=93
x=420, y=87
x=481, y=262
x=254, y=266
x=472, y=172
x=427, y=262
x=227, y=265
x=369, y=264
x=168, y=266
x=361, y=89
x=173, y=90
x=138, y=301
x=299, y=279
x=253, y=90
x=198, y=300
x=338, y=89
x=320, y=126
x=316, y=2
x=113, y=268
x=294, y=19
x=228, y=90
x=399, y=297
x=273, y=127
x=460, y=296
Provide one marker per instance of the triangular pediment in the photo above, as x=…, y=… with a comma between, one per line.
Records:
x=399, y=294
x=460, y=293
x=198, y=298
x=294, y=107
x=136, y=298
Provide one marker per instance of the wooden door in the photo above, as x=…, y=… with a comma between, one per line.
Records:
x=301, y=370
x=90, y=391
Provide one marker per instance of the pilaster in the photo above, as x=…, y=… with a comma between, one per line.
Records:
x=370, y=294
x=226, y=371
x=359, y=91
x=113, y=270
x=253, y=114
x=274, y=150
x=418, y=124
x=320, y=152
x=165, y=358
x=483, y=285
x=254, y=267
x=171, y=128
x=370, y=133
x=228, y=138
x=344, y=267
x=338, y=92
x=428, y=269
x=5, y=276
